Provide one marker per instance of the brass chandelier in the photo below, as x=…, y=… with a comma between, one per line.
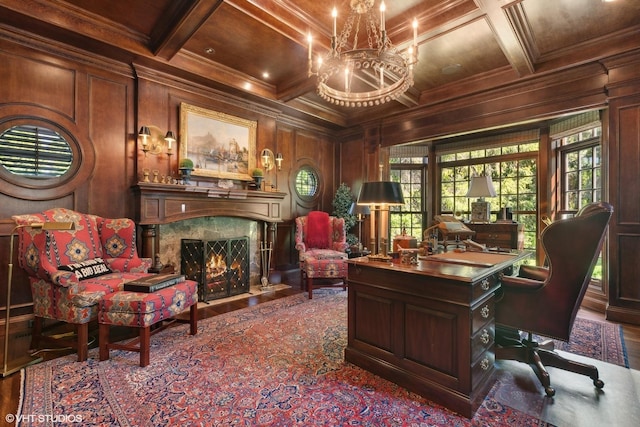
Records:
x=353, y=76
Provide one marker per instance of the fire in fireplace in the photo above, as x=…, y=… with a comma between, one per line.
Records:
x=221, y=267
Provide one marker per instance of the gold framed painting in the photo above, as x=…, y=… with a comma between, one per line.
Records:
x=220, y=145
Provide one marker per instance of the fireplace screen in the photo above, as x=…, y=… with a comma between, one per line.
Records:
x=221, y=267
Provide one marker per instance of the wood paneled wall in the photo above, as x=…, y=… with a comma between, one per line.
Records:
x=103, y=103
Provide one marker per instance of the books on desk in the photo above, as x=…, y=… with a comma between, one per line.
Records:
x=153, y=283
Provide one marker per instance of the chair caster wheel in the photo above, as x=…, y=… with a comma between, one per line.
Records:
x=550, y=391
x=598, y=383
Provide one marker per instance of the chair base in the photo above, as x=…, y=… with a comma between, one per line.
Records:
x=509, y=346
x=79, y=341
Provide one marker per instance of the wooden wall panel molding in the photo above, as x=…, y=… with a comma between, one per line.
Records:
x=624, y=230
x=536, y=98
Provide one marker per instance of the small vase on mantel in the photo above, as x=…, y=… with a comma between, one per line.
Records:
x=257, y=174
x=185, y=166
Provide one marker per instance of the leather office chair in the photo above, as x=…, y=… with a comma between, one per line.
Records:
x=545, y=300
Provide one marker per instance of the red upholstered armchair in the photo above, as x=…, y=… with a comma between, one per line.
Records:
x=321, y=241
x=545, y=300
x=71, y=270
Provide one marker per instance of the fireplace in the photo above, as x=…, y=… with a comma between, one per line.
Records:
x=221, y=267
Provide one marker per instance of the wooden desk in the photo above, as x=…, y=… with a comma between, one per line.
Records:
x=428, y=327
x=499, y=234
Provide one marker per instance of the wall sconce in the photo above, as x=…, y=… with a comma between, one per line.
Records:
x=269, y=160
x=151, y=140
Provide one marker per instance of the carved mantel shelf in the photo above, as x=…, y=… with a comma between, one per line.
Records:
x=164, y=203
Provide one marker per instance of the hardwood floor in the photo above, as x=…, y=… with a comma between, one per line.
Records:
x=10, y=386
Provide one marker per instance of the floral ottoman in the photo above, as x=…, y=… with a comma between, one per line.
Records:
x=142, y=310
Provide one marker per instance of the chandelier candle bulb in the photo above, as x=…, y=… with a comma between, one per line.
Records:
x=415, y=32
x=375, y=71
x=334, y=13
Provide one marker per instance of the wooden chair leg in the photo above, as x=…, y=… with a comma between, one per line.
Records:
x=36, y=332
x=103, y=338
x=193, y=319
x=310, y=287
x=145, y=342
x=83, y=341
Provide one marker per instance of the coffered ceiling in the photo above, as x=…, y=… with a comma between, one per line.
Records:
x=257, y=48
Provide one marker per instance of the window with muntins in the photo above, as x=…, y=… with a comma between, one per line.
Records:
x=35, y=152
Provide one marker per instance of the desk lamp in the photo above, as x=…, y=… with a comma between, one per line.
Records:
x=379, y=195
x=481, y=187
x=19, y=364
x=360, y=211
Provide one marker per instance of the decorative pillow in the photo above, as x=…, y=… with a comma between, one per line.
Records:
x=87, y=269
x=318, y=230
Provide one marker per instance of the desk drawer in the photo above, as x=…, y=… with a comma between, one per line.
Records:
x=482, y=314
x=483, y=340
x=482, y=367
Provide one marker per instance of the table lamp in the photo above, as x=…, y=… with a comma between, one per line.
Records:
x=359, y=211
x=379, y=195
x=481, y=187
x=21, y=363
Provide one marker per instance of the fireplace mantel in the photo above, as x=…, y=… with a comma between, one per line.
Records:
x=163, y=204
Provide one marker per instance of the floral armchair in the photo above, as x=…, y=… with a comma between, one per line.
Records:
x=321, y=242
x=71, y=270
x=328, y=241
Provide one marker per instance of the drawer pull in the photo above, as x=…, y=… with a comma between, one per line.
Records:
x=484, y=285
x=484, y=365
x=484, y=338
x=484, y=312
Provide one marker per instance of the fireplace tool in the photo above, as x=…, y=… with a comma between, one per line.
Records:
x=265, y=258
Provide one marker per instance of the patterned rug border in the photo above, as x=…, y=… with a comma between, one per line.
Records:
x=119, y=392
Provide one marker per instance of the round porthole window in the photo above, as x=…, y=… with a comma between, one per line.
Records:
x=35, y=152
x=307, y=182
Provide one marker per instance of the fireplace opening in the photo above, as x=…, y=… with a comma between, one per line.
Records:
x=221, y=267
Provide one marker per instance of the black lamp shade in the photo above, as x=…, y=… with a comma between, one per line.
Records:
x=357, y=209
x=381, y=192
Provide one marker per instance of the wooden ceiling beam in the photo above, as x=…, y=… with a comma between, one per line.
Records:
x=512, y=32
x=179, y=22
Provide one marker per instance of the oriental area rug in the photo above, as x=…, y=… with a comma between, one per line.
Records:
x=279, y=363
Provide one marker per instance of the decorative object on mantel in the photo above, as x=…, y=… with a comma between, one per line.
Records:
x=257, y=174
x=221, y=145
x=358, y=76
x=185, y=166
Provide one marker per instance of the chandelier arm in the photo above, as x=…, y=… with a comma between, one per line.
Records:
x=356, y=77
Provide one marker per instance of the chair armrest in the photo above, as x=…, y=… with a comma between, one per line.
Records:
x=520, y=284
x=64, y=278
x=301, y=247
x=133, y=265
x=533, y=272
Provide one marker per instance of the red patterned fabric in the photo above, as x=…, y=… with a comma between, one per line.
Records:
x=59, y=294
x=325, y=268
x=318, y=233
x=145, y=309
x=338, y=243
